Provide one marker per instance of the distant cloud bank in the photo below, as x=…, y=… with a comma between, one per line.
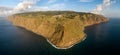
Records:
x=103, y=6
x=31, y=5
x=23, y=6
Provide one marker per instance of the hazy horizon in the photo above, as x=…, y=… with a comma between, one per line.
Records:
x=108, y=8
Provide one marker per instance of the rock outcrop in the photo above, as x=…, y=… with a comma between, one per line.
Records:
x=62, y=29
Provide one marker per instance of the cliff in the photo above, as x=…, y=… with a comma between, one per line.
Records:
x=62, y=29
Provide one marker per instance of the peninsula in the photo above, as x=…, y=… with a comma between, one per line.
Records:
x=62, y=29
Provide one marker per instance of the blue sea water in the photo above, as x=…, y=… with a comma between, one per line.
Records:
x=102, y=39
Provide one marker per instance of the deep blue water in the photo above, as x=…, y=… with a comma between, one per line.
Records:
x=102, y=39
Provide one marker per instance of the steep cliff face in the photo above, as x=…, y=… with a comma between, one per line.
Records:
x=62, y=29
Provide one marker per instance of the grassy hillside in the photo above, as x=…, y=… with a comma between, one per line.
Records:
x=62, y=28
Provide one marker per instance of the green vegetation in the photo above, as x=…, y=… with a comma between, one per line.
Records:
x=62, y=28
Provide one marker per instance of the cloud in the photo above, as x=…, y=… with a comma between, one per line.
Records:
x=86, y=0
x=113, y=14
x=30, y=5
x=103, y=6
x=5, y=10
x=24, y=5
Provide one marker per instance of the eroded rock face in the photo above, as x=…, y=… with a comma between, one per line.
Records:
x=63, y=30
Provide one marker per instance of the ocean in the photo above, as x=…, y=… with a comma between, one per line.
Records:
x=102, y=39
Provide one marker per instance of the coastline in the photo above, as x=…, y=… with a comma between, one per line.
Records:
x=53, y=44
x=67, y=47
x=71, y=45
x=40, y=26
x=78, y=41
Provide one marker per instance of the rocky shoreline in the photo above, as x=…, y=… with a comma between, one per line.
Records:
x=67, y=47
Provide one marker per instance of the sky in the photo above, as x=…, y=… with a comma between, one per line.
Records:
x=109, y=8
